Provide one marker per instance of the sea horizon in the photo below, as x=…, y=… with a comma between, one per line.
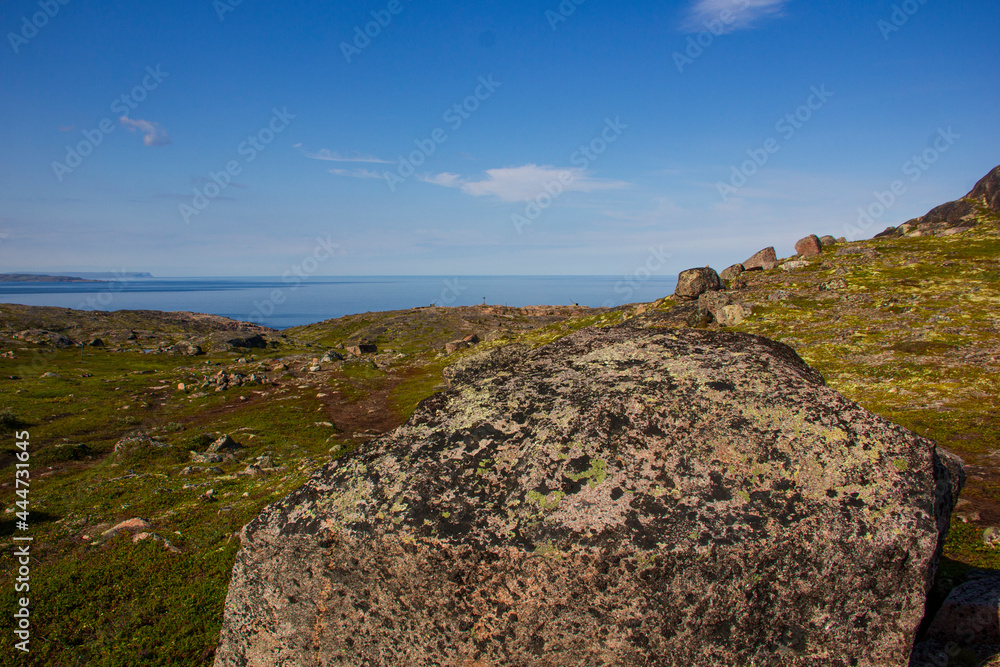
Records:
x=281, y=302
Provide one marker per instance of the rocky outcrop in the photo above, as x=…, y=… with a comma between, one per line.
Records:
x=622, y=496
x=765, y=259
x=956, y=215
x=692, y=283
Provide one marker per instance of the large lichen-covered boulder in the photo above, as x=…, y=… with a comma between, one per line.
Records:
x=624, y=496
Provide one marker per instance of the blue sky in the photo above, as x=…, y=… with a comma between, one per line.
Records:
x=224, y=138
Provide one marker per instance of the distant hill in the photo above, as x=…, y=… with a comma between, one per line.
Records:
x=107, y=275
x=41, y=278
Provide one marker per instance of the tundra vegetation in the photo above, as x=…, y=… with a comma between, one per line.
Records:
x=905, y=326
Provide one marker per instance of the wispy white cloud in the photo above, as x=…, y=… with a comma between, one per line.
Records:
x=724, y=16
x=333, y=156
x=357, y=173
x=512, y=184
x=152, y=133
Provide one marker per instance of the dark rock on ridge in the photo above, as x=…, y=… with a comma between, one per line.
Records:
x=694, y=282
x=622, y=496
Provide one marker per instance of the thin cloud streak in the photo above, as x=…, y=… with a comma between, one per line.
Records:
x=152, y=133
x=333, y=156
x=725, y=16
x=514, y=184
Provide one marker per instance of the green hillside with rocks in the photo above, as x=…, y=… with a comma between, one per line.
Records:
x=155, y=437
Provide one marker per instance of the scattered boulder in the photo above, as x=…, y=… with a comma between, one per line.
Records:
x=827, y=240
x=472, y=339
x=971, y=612
x=835, y=284
x=315, y=367
x=255, y=341
x=731, y=272
x=363, y=348
x=692, y=283
x=722, y=309
x=43, y=337
x=186, y=348
x=331, y=356
x=207, y=458
x=764, y=259
x=622, y=496
x=51, y=374
x=137, y=444
x=224, y=380
x=794, y=265
x=130, y=525
x=809, y=246
x=224, y=444
x=455, y=345
x=96, y=342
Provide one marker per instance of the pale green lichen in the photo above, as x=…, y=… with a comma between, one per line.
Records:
x=545, y=502
x=597, y=473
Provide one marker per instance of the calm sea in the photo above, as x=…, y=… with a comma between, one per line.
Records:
x=280, y=304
